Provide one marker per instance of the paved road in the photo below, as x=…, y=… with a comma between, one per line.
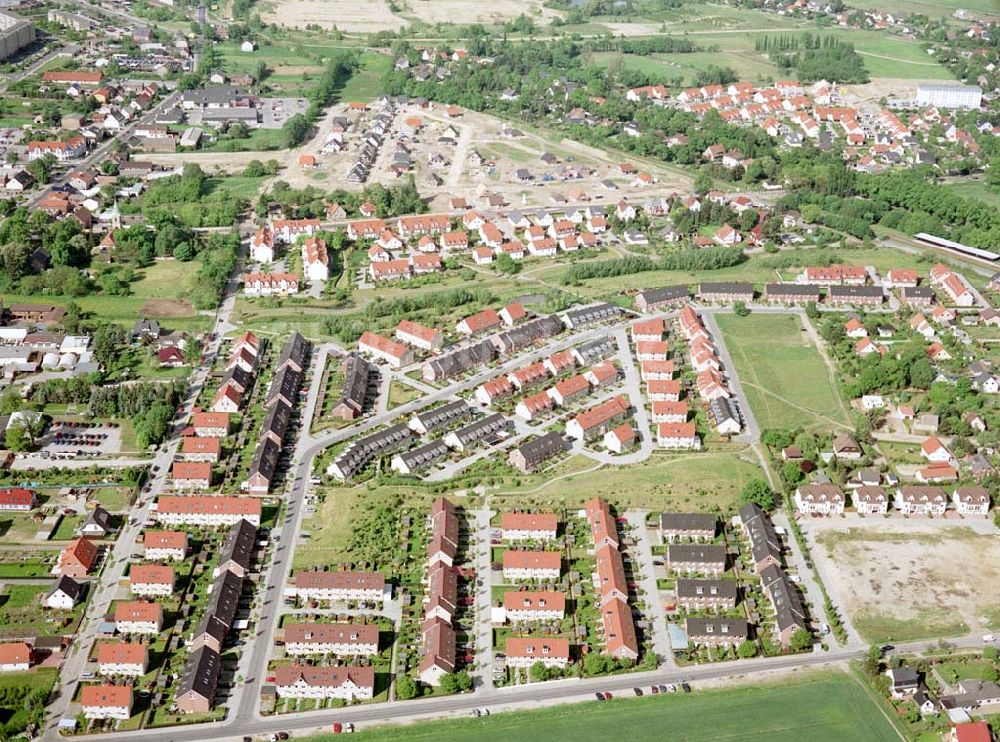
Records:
x=654, y=610
x=105, y=586
x=523, y=696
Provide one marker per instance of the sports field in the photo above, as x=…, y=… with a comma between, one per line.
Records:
x=787, y=382
x=828, y=707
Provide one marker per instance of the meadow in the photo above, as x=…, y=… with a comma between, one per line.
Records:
x=785, y=378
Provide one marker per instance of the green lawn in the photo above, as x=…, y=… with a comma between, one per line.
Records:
x=166, y=279
x=699, y=481
x=67, y=528
x=975, y=188
x=877, y=628
x=822, y=707
x=782, y=372
x=22, y=596
x=400, y=394
x=363, y=85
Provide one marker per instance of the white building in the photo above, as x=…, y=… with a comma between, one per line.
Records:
x=943, y=95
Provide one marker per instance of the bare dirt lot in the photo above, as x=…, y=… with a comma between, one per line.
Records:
x=167, y=308
x=901, y=583
x=472, y=11
x=351, y=16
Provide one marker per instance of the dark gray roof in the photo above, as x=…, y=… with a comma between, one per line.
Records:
x=791, y=289
x=201, y=674
x=728, y=287
x=98, y=517
x=482, y=428
x=239, y=376
x=285, y=385
x=724, y=409
x=275, y=427
x=697, y=553
x=724, y=627
x=67, y=585
x=589, y=315
x=224, y=598
x=238, y=546
x=362, y=450
x=849, y=292
x=265, y=459
x=706, y=588
x=788, y=610
x=530, y=332
x=757, y=525
x=600, y=348
x=357, y=375
x=464, y=359
x=542, y=448
x=294, y=352
x=662, y=295
x=693, y=522
x=918, y=292
x=443, y=416
x=424, y=456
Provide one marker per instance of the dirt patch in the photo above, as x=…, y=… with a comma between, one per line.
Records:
x=347, y=15
x=167, y=308
x=907, y=574
x=473, y=11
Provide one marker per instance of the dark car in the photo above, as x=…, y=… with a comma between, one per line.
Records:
x=685, y=687
x=637, y=691
x=600, y=696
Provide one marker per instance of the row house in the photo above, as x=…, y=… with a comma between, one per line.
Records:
x=819, y=499
x=525, y=652
x=270, y=284
x=419, y=336
x=532, y=565
x=705, y=594
x=677, y=436
x=343, y=640
x=212, y=511
x=344, y=682
x=520, y=526
x=526, y=606
x=382, y=348
x=791, y=293
x=338, y=586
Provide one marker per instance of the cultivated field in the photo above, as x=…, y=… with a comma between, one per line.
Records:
x=812, y=706
x=787, y=382
x=370, y=16
x=902, y=583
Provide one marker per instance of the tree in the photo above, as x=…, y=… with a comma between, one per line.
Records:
x=871, y=665
x=791, y=472
x=449, y=683
x=812, y=312
x=991, y=674
x=108, y=340
x=991, y=654
x=702, y=182
x=740, y=309
x=17, y=439
x=539, y=672
x=747, y=649
x=463, y=680
x=801, y=640
x=758, y=491
x=295, y=130
x=405, y=687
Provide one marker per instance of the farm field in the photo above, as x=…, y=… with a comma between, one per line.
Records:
x=928, y=570
x=345, y=15
x=785, y=378
x=932, y=8
x=812, y=706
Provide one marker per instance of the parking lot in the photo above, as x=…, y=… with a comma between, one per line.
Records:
x=72, y=439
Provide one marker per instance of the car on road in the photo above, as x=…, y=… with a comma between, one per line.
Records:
x=989, y=638
x=608, y=696
x=654, y=690
x=484, y=711
x=666, y=688
x=685, y=687
x=637, y=691
x=600, y=696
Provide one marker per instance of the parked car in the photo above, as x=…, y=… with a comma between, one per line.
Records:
x=637, y=691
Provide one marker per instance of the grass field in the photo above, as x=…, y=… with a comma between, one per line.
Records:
x=363, y=85
x=782, y=372
x=976, y=189
x=700, y=481
x=166, y=279
x=813, y=707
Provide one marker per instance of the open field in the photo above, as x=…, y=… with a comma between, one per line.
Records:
x=901, y=585
x=786, y=380
x=813, y=706
x=471, y=11
x=345, y=15
x=363, y=85
x=699, y=481
x=976, y=189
